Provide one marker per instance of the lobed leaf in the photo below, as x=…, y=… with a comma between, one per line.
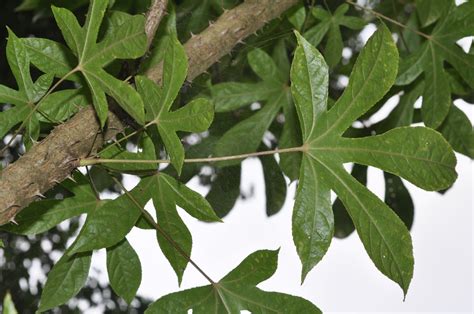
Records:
x=418, y=154
x=236, y=292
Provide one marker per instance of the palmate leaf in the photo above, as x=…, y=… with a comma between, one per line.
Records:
x=430, y=57
x=26, y=96
x=273, y=89
x=420, y=155
x=128, y=41
x=236, y=292
x=329, y=24
x=194, y=117
x=230, y=95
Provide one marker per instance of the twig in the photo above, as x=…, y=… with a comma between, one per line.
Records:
x=389, y=19
x=93, y=161
x=153, y=18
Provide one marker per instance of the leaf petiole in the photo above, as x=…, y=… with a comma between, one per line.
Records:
x=94, y=161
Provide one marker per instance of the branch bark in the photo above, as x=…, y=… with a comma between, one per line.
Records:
x=52, y=160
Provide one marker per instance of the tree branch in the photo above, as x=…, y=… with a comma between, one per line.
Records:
x=153, y=18
x=52, y=160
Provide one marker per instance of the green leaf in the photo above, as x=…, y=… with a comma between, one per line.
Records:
x=225, y=190
x=98, y=232
x=430, y=11
x=399, y=199
x=457, y=129
x=127, y=41
x=60, y=106
x=297, y=17
x=192, y=202
x=343, y=225
x=264, y=66
x=249, y=132
x=313, y=220
x=99, y=99
x=252, y=129
x=8, y=305
x=309, y=84
x=27, y=94
x=194, y=117
x=65, y=280
x=41, y=216
x=122, y=92
x=437, y=92
x=50, y=56
x=229, y=96
x=2, y=245
x=11, y=117
x=330, y=25
x=275, y=185
x=290, y=137
x=19, y=64
x=115, y=151
x=91, y=27
x=124, y=270
x=418, y=154
x=175, y=68
x=403, y=113
x=454, y=23
x=70, y=29
x=171, y=224
x=166, y=193
x=386, y=239
x=236, y=292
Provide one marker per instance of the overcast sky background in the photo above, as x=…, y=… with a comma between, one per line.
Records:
x=346, y=279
